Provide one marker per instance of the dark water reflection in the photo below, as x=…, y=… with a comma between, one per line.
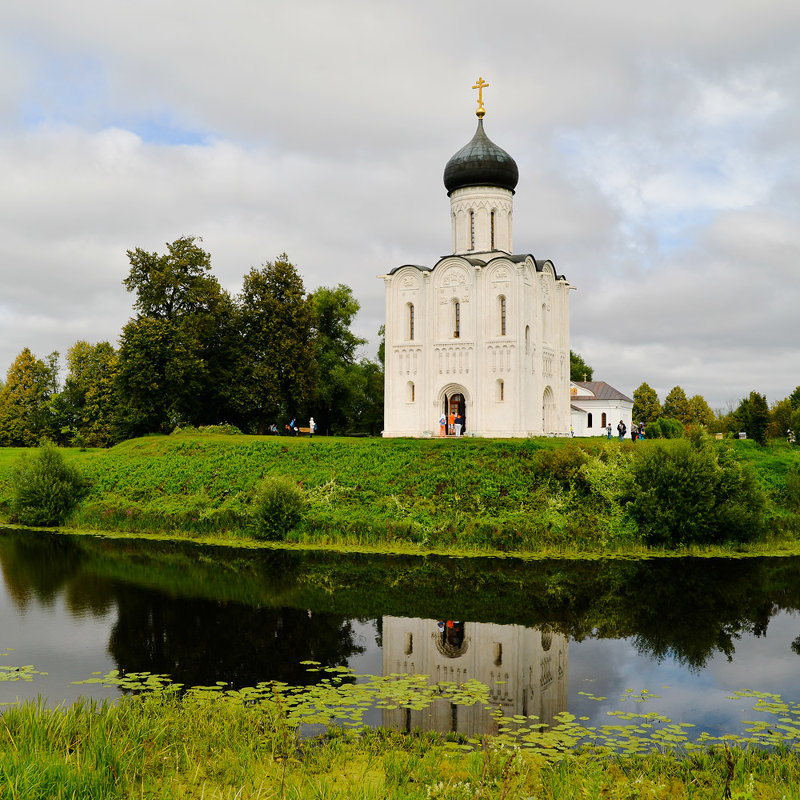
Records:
x=544, y=632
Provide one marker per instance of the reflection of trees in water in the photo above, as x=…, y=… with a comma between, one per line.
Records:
x=42, y=566
x=36, y=564
x=691, y=609
x=684, y=608
x=198, y=642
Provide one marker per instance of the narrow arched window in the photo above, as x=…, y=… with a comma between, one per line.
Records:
x=410, y=320
x=501, y=391
x=491, y=223
x=589, y=420
x=471, y=230
x=527, y=339
x=502, y=316
x=411, y=392
x=603, y=421
x=457, y=329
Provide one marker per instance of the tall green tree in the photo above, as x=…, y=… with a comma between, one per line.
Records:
x=794, y=399
x=699, y=412
x=753, y=417
x=676, y=405
x=176, y=358
x=780, y=419
x=646, y=407
x=277, y=369
x=25, y=400
x=579, y=370
x=339, y=378
x=88, y=401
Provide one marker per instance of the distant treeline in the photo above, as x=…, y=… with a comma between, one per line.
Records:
x=752, y=416
x=195, y=355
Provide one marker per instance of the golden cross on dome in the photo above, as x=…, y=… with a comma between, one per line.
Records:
x=480, y=85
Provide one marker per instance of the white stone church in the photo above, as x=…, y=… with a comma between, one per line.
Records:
x=483, y=333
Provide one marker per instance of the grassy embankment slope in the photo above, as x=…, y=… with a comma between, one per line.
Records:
x=467, y=495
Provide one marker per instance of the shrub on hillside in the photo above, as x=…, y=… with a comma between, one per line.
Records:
x=45, y=489
x=223, y=427
x=664, y=428
x=686, y=492
x=561, y=464
x=793, y=487
x=278, y=506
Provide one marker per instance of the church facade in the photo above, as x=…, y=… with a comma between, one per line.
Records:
x=483, y=334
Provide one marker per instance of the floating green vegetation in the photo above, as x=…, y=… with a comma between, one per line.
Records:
x=25, y=672
x=342, y=698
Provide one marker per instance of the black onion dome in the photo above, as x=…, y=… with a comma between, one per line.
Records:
x=481, y=163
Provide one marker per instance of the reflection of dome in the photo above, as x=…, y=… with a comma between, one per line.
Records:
x=481, y=163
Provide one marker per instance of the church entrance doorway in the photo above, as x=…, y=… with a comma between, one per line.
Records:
x=454, y=407
x=549, y=412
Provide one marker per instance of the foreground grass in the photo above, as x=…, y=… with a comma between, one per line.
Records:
x=467, y=495
x=197, y=746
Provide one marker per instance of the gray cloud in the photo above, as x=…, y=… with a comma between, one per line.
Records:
x=656, y=145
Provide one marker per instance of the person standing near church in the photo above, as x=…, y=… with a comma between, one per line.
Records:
x=459, y=423
x=622, y=429
x=443, y=425
x=608, y=430
x=451, y=422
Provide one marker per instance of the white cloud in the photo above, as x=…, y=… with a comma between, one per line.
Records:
x=656, y=144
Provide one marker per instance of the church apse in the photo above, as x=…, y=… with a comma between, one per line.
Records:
x=525, y=670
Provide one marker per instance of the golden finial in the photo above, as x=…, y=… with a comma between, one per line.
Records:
x=480, y=86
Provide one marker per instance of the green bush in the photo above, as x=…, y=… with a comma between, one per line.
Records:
x=664, y=428
x=684, y=492
x=278, y=506
x=561, y=464
x=44, y=488
x=793, y=487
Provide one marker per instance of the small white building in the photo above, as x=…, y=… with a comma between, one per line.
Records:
x=483, y=333
x=593, y=404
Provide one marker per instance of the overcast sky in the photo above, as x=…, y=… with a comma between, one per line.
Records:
x=657, y=145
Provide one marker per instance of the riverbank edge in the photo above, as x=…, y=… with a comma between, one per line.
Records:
x=640, y=553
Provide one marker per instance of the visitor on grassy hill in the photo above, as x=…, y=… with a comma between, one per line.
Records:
x=443, y=425
x=459, y=423
x=634, y=432
x=608, y=430
x=641, y=430
x=312, y=426
x=293, y=427
x=622, y=429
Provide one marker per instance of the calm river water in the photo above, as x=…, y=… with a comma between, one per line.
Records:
x=540, y=634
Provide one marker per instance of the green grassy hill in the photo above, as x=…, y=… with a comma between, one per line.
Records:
x=473, y=494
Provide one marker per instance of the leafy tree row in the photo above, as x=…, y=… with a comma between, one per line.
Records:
x=752, y=415
x=194, y=355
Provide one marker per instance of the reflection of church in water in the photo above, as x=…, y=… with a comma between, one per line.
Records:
x=525, y=670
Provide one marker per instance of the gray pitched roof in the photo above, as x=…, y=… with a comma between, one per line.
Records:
x=601, y=390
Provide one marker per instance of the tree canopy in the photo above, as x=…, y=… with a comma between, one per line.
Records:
x=646, y=407
x=676, y=405
x=25, y=413
x=579, y=370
